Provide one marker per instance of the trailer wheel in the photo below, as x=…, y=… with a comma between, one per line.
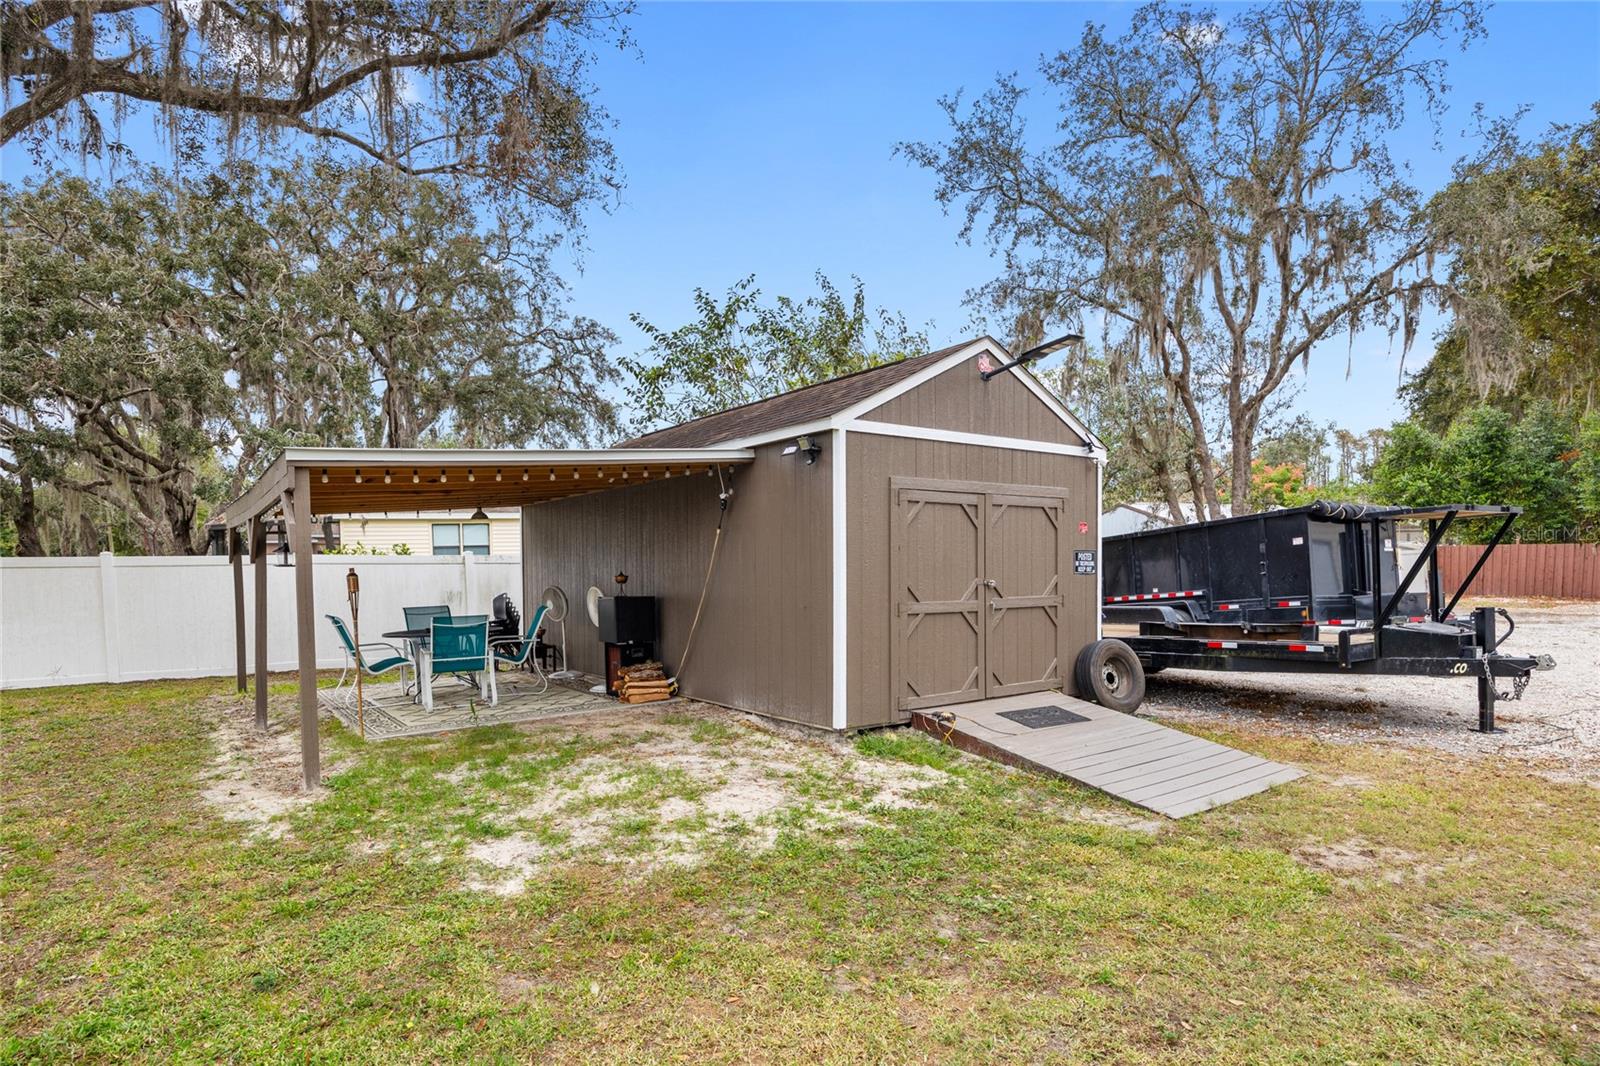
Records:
x=1109, y=673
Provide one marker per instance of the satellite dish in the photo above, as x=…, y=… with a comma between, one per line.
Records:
x=591, y=600
x=555, y=603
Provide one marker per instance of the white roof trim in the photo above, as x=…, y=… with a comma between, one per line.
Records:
x=847, y=417
x=509, y=456
x=962, y=354
x=905, y=385
x=977, y=440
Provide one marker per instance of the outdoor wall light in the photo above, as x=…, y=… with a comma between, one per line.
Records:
x=479, y=515
x=807, y=446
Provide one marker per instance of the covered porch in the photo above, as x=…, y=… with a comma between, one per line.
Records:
x=305, y=485
x=389, y=710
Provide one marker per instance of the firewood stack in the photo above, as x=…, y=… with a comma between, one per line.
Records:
x=645, y=683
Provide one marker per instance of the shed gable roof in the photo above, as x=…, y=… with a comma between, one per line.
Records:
x=786, y=409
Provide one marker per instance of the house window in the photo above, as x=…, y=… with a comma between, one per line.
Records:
x=475, y=538
x=454, y=538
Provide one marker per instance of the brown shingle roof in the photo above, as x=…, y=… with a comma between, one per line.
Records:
x=788, y=408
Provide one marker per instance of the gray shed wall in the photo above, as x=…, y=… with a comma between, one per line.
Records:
x=766, y=636
x=960, y=400
x=873, y=460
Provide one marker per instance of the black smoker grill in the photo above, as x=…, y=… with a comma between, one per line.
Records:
x=1317, y=588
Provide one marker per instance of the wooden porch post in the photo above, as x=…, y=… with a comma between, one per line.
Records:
x=258, y=560
x=305, y=628
x=235, y=553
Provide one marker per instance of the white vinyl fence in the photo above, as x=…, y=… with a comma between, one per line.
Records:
x=131, y=618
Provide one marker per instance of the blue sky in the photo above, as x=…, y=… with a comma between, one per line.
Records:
x=758, y=138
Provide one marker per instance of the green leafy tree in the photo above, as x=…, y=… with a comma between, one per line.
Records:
x=164, y=338
x=1218, y=191
x=1488, y=457
x=1522, y=229
x=740, y=349
x=112, y=388
x=493, y=93
x=1412, y=471
x=1586, y=471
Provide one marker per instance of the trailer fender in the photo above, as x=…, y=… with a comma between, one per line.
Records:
x=1110, y=674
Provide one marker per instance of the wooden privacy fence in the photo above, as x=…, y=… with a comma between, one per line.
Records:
x=1559, y=571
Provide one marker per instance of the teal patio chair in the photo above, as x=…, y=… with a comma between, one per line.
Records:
x=518, y=651
x=460, y=649
x=422, y=617
x=355, y=658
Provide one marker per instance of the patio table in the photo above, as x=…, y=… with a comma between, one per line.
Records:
x=420, y=642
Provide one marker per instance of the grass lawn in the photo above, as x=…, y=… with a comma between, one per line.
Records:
x=1393, y=906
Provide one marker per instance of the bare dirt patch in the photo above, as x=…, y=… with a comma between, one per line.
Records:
x=1558, y=963
x=1120, y=819
x=256, y=777
x=1554, y=729
x=683, y=783
x=1357, y=859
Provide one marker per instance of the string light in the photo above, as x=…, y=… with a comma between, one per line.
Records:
x=386, y=478
x=497, y=475
x=443, y=476
x=358, y=477
x=471, y=476
x=324, y=475
x=415, y=477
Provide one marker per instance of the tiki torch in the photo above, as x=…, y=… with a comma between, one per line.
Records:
x=352, y=587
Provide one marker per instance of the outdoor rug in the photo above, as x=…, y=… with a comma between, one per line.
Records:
x=388, y=712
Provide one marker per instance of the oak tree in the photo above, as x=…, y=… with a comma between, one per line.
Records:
x=1218, y=192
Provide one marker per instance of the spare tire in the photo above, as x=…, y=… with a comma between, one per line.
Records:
x=1109, y=673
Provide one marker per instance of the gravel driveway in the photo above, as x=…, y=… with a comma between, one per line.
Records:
x=1555, y=727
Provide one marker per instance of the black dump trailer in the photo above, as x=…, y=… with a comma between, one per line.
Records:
x=1330, y=588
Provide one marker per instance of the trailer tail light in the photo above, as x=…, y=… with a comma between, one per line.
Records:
x=1222, y=644
x=1305, y=647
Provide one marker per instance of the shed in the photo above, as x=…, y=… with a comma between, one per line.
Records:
x=939, y=546
x=908, y=536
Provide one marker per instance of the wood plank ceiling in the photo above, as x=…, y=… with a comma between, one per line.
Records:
x=338, y=489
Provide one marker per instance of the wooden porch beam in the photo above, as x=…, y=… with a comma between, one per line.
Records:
x=236, y=561
x=258, y=561
x=298, y=505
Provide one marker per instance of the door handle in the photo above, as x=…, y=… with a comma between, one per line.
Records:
x=989, y=582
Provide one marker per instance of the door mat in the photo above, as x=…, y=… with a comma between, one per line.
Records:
x=1042, y=717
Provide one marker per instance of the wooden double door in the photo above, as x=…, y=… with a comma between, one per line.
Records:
x=976, y=580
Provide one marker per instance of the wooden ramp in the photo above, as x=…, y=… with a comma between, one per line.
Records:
x=1161, y=769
